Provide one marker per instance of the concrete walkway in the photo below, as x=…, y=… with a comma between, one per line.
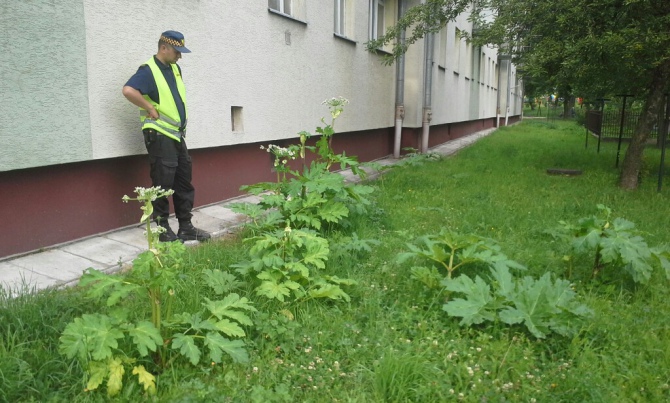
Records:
x=62, y=265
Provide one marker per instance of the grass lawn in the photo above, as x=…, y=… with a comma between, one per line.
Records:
x=393, y=342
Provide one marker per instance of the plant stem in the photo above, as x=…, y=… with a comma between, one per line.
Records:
x=596, y=264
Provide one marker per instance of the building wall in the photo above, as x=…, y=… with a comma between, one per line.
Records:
x=464, y=78
x=44, y=110
x=67, y=62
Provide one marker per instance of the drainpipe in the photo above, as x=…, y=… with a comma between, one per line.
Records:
x=498, y=98
x=427, y=92
x=509, y=89
x=399, y=90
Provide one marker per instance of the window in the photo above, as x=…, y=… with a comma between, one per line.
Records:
x=457, y=50
x=344, y=19
x=442, y=62
x=236, y=119
x=293, y=9
x=340, y=17
x=377, y=14
x=283, y=6
x=482, y=66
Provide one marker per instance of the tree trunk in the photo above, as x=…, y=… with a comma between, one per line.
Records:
x=632, y=163
x=568, y=106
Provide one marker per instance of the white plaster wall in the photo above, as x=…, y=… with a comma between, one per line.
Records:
x=43, y=103
x=240, y=57
x=455, y=97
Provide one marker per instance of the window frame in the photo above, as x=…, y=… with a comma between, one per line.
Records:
x=374, y=32
x=282, y=6
x=340, y=20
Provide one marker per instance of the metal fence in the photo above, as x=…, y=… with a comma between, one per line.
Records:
x=607, y=124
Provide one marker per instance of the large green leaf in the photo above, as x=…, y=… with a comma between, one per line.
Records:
x=187, y=347
x=227, y=306
x=316, y=252
x=504, y=284
x=275, y=290
x=662, y=255
x=97, y=372
x=331, y=291
x=115, y=380
x=218, y=344
x=475, y=308
x=146, y=337
x=74, y=340
x=229, y=328
x=333, y=212
x=146, y=379
x=99, y=283
x=194, y=321
x=220, y=281
x=531, y=306
x=93, y=334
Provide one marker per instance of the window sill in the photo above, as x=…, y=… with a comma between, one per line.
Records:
x=456, y=73
x=344, y=38
x=287, y=16
x=442, y=68
x=381, y=52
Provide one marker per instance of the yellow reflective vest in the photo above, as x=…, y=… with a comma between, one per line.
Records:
x=168, y=122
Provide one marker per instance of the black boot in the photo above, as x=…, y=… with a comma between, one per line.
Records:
x=168, y=235
x=187, y=232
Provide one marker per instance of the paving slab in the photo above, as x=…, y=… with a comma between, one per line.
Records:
x=131, y=236
x=55, y=263
x=18, y=280
x=207, y=222
x=107, y=252
x=224, y=214
x=245, y=199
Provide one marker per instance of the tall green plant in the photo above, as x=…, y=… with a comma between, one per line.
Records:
x=614, y=243
x=288, y=248
x=287, y=264
x=543, y=306
x=311, y=196
x=449, y=251
x=110, y=344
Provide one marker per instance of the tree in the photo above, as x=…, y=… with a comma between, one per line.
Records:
x=594, y=48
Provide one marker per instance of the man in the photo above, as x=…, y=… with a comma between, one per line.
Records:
x=158, y=90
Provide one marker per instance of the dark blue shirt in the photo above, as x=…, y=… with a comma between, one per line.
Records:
x=143, y=81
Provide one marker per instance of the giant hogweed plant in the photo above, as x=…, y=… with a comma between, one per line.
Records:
x=287, y=265
x=118, y=345
x=288, y=251
x=311, y=196
x=541, y=305
x=449, y=251
x=614, y=243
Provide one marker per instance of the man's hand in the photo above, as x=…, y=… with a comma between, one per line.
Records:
x=136, y=98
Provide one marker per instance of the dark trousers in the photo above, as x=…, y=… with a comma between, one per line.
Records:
x=170, y=169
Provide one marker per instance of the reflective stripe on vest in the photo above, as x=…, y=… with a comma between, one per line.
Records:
x=168, y=122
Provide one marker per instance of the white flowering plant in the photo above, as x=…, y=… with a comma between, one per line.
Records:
x=288, y=250
x=313, y=197
x=118, y=344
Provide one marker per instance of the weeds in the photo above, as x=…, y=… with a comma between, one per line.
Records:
x=392, y=341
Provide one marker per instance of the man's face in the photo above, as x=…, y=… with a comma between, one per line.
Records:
x=171, y=54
